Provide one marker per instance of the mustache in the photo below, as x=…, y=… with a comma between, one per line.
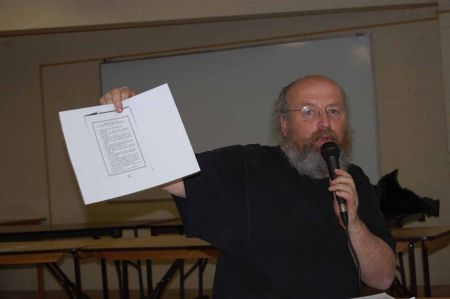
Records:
x=324, y=133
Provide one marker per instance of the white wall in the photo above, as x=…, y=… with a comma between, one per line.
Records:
x=24, y=15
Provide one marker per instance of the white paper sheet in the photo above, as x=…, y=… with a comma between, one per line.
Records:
x=378, y=296
x=114, y=154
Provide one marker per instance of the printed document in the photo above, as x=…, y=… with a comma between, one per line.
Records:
x=115, y=154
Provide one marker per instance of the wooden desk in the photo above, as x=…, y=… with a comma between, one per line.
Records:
x=169, y=226
x=79, y=230
x=47, y=252
x=165, y=247
x=56, y=232
x=46, y=246
x=396, y=221
x=420, y=235
x=38, y=259
x=22, y=221
x=163, y=242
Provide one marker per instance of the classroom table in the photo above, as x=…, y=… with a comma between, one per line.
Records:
x=48, y=252
x=22, y=221
x=163, y=247
x=46, y=233
x=95, y=229
x=38, y=259
x=400, y=220
x=420, y=235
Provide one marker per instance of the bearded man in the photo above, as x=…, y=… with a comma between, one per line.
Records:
x=271, y=213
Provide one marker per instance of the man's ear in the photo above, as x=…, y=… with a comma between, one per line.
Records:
x=284, y=125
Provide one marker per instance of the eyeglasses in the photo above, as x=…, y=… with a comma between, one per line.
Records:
x=311, y=112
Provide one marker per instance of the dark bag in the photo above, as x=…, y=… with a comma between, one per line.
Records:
x=396, y=200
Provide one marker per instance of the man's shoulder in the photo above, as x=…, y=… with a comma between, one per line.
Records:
x=353, y=168
x=248, y=148
x=359, y=176
x=250, y=154
x=258, y=148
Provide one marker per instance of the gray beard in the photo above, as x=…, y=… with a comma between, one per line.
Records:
x=309, y=161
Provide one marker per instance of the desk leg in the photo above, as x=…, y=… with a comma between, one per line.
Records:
x=126, y=292
x=76, y=264
x=181, y=279
x=139, y=268
x=149, y=277
x=104, y=279
x=119, y=278
x=160, y=286
x=140, y=278
x=41, y=282
x=426, y=271
x=412, y=268
x=200, y=279
x=402, y=269
x=201, y=270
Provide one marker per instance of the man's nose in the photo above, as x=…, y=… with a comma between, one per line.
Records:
x=324, y=121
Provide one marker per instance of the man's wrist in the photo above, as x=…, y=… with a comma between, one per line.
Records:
x=356, y=226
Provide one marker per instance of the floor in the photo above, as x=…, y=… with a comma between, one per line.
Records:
x=170, y=294
x=437, y=291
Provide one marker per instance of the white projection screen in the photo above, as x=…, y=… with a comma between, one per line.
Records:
x=225, y=97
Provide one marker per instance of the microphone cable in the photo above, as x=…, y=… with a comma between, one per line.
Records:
x=355, y=258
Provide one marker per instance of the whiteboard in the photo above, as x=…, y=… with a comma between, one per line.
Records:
x=226, y=97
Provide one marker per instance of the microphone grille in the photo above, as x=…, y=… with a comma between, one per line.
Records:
x=329, y=149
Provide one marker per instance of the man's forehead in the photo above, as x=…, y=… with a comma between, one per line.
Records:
x=315, y=89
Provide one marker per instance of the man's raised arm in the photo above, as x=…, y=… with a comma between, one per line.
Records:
x=116, y=96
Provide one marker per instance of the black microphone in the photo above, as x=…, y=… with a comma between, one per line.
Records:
x=330, y=153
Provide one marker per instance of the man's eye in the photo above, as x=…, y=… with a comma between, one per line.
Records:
x=309, y=112
x=334, y=111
